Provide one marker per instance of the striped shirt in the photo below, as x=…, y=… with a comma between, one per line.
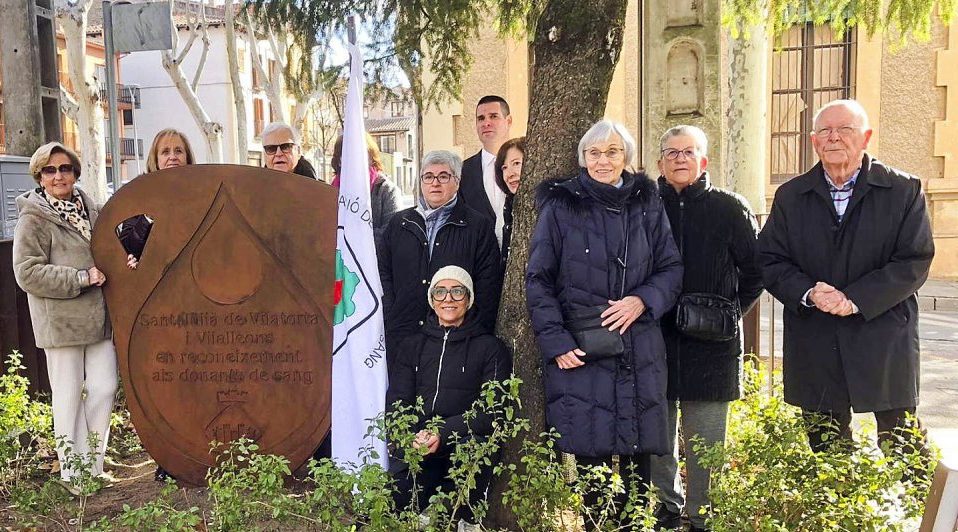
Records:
x=841, y=195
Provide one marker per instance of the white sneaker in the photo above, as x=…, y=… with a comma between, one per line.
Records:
x=423, y=521
x=466, y=526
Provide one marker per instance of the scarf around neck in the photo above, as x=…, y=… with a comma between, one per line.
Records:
x=608, y=195
x=72, y=211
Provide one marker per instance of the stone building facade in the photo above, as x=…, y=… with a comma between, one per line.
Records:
x=677, y=71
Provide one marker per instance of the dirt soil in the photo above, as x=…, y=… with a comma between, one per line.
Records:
x=135, y=487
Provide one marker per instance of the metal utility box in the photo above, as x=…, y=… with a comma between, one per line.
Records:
x=15, y=179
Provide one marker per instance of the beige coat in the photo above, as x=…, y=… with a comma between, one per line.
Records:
x=48, y=256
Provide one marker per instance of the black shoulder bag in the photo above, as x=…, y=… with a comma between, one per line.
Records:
x=707, y=317
x=585, y=325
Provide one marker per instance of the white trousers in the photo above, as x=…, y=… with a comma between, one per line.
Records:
x=74, y=370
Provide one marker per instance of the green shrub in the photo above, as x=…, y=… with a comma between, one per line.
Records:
x=160, y=515
x=767, y=477
x=25, y=425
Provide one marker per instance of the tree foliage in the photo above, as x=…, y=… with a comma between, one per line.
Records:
x=402, y=34
x=904, y=18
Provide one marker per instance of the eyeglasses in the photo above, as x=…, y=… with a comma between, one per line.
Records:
x=270, y=149
x=613, y=154
x=843, y=131
x=64, y=169
x=442, y=177
x=458, y=293
x=673, y=154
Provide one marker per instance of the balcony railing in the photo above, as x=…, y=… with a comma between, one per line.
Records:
x=127, y=147
x=123, y=95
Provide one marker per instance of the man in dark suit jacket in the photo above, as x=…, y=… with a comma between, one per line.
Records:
x=478, y=187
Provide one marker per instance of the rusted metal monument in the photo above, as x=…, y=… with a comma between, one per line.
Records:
x=224, y=329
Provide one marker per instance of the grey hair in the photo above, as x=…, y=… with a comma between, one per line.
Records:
x=852, y=105
x=601, y=131
x=701, y=141
x=274, y=127
x=448, y=158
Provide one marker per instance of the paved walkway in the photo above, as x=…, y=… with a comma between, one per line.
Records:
x=939, y=295
x=938, y=334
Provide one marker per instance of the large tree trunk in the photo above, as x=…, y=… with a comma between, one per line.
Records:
x=72, y=19
x=576, y=48
x=236, y=81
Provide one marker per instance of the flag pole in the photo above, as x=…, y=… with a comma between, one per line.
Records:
x=351, y=28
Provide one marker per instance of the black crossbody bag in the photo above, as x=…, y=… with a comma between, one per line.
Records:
x=585, y=325
x=707, y=317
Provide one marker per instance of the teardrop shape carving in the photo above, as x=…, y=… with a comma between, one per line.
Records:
x=226, y=264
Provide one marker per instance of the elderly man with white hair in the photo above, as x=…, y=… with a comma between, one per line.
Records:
x=845, y=248
x=441, y=230
x=283, y=152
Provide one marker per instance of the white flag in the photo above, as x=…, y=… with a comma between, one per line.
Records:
x=359, y=345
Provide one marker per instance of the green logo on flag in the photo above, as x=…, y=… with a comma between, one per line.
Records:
x=346, y=282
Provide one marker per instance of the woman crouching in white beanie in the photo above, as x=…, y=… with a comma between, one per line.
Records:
x=446, y=364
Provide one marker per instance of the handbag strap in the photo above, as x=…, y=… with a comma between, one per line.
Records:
x=624, y=260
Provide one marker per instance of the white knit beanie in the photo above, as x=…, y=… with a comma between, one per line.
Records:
x=456, y=274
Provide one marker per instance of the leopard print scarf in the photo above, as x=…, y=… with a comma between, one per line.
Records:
x=73, y=211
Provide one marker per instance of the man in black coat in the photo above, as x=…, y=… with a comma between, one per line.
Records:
x=478, y=188
x=845, y=248
x=716, y=233
x=440, y=230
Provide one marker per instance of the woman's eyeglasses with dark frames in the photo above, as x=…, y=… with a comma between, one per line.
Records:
x=442, y=177
x=458, y=293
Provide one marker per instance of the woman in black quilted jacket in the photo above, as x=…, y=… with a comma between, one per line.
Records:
x=446, y=364
x=603, y=254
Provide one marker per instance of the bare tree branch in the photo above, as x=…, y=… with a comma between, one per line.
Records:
x=206, y=47
x=68, y=105
x=191, y=24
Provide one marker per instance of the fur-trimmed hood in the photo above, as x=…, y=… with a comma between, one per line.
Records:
x=570, y=191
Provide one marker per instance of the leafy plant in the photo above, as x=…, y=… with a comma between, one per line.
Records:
x=25, y=425
x=83, y=483
x=160, y=515
x=34, y=505
x=124, y=441
x=767, y=478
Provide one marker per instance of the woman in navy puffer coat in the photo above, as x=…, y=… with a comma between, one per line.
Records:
x=608, y=406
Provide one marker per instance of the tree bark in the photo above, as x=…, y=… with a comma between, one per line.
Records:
x=272, y=80
x=746, y=136
x=236, y=82
x=576, y=48
x=72, y=19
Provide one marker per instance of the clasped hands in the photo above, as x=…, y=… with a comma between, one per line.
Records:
x=829, y=299
x=619, y=316
x=428, y=439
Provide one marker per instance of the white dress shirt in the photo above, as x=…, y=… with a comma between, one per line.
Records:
x=497, y=198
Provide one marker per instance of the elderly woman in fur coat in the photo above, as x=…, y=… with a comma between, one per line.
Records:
x=53, y=264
